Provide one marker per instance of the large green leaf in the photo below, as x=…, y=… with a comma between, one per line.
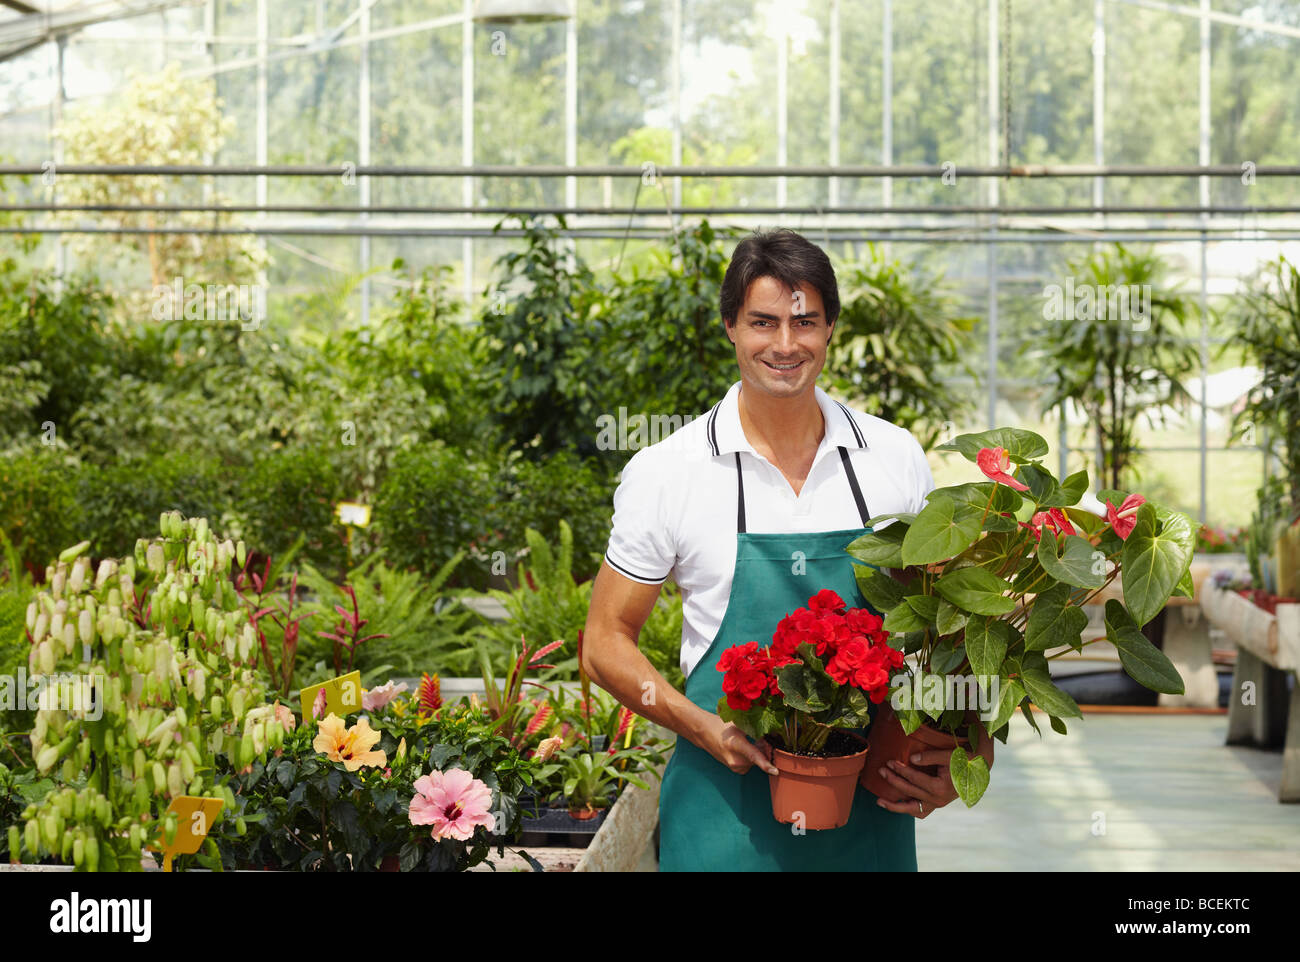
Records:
x=881, y=548
x=987, y=640
x=904, y=619
x=1010, y=694
x=1154, y=558
x=1053, y=621
x=944, y=528
x=970, y=775
x=1075, y=486
x=805, y=689
x=927, y=606
x=949, y=619
x=881, y=591
x=976, y=590
x=977, y=495
x=1022, y=446
x=1078, y=563
x=1043, y=488
x=946, y=656
x=1145, y=663
x=1047, y=696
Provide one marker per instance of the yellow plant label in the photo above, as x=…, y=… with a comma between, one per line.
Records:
x=342, y=697
x=194, y=816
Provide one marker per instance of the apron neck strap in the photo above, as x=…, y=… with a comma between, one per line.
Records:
x=848, y=470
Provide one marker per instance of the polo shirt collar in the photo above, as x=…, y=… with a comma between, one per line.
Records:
x=725, y=436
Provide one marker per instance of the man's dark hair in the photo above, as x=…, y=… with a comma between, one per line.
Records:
x=786, y=256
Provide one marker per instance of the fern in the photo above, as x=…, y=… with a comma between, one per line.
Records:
x=426, y=628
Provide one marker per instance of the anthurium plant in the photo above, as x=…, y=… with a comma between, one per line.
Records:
x=986, y=583
x=825, y=666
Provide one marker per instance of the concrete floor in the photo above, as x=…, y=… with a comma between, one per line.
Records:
x=1171, y=795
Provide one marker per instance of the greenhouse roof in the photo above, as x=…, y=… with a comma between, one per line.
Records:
x=25, y=24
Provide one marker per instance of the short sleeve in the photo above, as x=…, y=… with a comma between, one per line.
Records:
x=923, y=477
x=640, y=543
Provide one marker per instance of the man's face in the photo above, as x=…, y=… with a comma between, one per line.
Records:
x=780, y=336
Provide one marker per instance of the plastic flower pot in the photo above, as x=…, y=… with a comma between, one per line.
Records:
x=813, y=791
x=887, y=740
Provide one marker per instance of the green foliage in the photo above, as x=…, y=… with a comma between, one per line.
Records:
x=40, y=507
x=57, y=352
x=1011, y=592
x=674, y=356
x=425, y=627
x=548, y=605
x=546, y=347
x=120, y=500
x=1118, y=369
x=437, y=501
x=560, y=487
x=895, y=329
x=1269, y=331
x=305, y=812
x=291, y=493
x=168, y=654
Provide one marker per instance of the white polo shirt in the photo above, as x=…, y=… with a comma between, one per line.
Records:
x=675, y=506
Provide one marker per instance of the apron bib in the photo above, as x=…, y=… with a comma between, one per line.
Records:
x=712, y=819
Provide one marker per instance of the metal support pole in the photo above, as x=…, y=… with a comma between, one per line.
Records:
x=677, y=102
x=363, y=150
x=260, y=187
x=994, y=152
x=833, y=125
x=1205, y=200
x=887, y=100
x=782, y=105
x=467, y=149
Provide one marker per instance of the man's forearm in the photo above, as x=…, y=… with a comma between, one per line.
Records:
x=618, y=666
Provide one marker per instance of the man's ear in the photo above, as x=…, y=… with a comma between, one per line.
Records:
x=830, y=331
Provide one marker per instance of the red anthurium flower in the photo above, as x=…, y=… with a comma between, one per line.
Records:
x=1124, y=520
x=995, y=463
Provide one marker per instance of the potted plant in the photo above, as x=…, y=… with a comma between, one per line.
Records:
x=408, y=786
x=804, y=694
x=988, y=582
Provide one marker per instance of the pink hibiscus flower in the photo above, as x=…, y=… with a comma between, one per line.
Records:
x=995, y=463
x=454, y=802
x=376, y=698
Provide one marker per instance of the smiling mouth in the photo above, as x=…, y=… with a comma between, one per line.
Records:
x=783, y=368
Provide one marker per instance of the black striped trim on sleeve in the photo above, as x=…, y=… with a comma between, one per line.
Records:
x=633, y=575
x=857, y=432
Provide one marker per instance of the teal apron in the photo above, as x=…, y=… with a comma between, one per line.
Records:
x=712, y=819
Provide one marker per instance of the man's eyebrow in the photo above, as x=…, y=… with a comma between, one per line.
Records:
x=775, y=317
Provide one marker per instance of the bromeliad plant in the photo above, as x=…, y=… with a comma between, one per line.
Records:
x=827, y=663
x=989, y=580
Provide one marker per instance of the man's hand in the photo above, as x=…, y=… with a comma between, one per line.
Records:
x=732, y=747
x=924, y=793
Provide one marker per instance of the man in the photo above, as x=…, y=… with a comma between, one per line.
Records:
x=750, y=509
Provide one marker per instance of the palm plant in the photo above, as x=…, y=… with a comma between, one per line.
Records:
x=1116, y=369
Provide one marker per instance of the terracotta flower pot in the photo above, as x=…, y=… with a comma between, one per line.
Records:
x=887, y=740
x=818, y=789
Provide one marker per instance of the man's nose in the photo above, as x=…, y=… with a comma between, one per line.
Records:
x=785, y=339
